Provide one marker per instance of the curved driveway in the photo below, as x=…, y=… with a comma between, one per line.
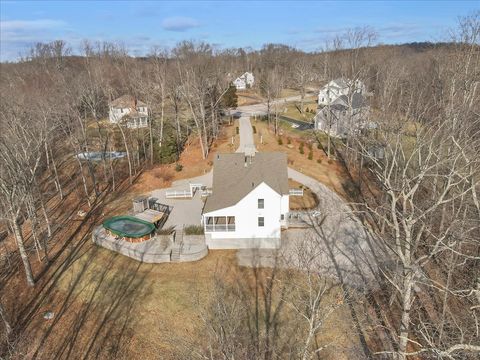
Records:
x=341, y=246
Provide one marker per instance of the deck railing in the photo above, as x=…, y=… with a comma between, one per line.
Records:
x=219, y=227
x=171, y=194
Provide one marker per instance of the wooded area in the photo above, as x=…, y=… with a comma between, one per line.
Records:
x=420, y=201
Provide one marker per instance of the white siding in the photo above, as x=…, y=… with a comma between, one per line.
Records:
x=116, y=114
x=246, y=214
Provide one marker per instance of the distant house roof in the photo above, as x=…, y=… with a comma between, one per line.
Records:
x=340, y=82
x=235, y=175
x=244, y=76
x=126, y=101
x=358, y=101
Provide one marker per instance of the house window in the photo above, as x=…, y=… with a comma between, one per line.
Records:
x=261, y=221
x=261, y=203
x=282, y=217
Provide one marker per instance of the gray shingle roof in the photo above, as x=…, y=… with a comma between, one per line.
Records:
x=235, y=175
x=341, y=82
x=358, y=101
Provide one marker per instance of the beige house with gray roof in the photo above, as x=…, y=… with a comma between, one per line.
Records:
x=128, y=110
x=249, y=203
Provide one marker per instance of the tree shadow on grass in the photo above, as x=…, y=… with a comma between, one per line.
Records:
x=98, y=309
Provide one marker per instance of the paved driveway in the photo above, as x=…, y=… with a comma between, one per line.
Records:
x=185, y=211
x=247, y=144
x=335, y=240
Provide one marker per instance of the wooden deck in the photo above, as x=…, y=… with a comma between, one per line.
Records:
x=152, y=216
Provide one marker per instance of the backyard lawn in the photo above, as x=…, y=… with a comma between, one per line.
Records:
x=110, y=306
x=292, y=110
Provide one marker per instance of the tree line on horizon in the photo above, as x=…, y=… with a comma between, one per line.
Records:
x=424, y=210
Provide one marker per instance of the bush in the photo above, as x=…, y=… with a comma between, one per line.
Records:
x=300, y=148
x=237, y=130
x=310, y=146
x=194, y=230
x=319, y=161
x=319, y=146
x=280, y=141
x=178, y=167
x=310, y=155
x=330, y=161
x=254, y=129
x=164, y=231
x=289, y=140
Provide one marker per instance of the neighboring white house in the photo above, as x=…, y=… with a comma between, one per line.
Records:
x=249, y=203
x=338, y=87
x=244, y=81
x=127, y=109
x=347, y=114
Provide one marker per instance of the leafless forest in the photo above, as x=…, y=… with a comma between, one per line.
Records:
x=420, y=201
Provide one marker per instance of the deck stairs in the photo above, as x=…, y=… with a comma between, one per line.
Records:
x=177, y=246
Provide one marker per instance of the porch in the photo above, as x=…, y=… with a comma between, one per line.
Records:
x=219, y=224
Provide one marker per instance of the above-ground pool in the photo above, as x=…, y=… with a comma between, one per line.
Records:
x=129, y=228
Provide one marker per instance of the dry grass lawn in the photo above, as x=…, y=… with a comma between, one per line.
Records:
x=248, y=97
x=328, y=172
x=111, y=307
x=292, y=109
x=108, y=306
x=308, y=201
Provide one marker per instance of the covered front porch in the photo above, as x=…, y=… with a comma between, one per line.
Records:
x=219, y=223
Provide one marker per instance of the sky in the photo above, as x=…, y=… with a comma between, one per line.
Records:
x=140, y=25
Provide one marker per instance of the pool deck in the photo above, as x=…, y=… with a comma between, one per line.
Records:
x=150, y=215
x=186, y=211
x=159, y=249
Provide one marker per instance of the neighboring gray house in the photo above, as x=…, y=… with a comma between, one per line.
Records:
x=345, y=115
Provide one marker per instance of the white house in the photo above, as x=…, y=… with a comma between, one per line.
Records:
x=127, y=109
x=338, y=87
x=245, y=81
x=249, y=203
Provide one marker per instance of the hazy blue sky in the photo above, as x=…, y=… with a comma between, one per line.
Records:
x=141, y=24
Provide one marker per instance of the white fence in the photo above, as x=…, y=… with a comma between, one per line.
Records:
x=171, y=194
x=183, y=194
x=296, y=192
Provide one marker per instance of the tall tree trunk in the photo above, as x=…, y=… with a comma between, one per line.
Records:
x=151, y=139
x=85, y=187
x=57, y=180
x=127, y=151
x=405, y=321
x=6, y=323
x=23, y=253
